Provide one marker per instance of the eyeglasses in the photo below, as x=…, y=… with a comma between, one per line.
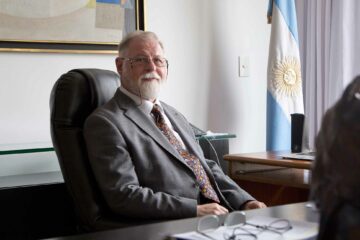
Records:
x=143, y=61
x=238, y=228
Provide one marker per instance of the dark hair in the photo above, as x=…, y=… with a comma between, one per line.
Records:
x=336, y=170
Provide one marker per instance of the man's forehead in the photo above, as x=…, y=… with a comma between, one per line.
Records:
x=145, y=44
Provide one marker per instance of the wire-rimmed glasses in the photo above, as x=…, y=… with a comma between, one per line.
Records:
x=239, y=227
x=143, y=61
x=278, y=226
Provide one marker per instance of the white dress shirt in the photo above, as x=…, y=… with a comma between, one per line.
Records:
x=146, y=107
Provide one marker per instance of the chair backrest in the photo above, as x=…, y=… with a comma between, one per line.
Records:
x=74, y=96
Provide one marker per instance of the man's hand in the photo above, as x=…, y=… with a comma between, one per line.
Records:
x=254, y=204
x=210, y=208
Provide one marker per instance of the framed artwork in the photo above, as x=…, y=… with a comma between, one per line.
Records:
x=68, y=26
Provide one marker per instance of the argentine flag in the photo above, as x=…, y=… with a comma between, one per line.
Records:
x=284, y=90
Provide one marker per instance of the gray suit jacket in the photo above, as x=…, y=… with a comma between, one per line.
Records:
x=138, y=171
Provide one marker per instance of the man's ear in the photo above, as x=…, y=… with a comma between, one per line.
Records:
x=119, y=62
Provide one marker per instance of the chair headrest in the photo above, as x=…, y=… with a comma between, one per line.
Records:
x=79, y=92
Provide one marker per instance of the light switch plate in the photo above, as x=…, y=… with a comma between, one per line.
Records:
x=244, y=66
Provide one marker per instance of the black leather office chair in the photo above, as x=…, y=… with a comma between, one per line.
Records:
x=74, y=96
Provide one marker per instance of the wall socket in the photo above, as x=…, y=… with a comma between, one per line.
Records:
x=244, y=66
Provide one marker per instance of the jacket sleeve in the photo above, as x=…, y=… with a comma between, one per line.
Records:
x=117, y=177
x=231, y=191
x=234, y=195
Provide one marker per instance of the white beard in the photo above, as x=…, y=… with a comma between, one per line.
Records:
x=150, y=90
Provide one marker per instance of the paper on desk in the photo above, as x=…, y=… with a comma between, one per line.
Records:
x=301, y=230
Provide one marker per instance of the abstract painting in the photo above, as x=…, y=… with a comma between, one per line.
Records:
x=68, y=25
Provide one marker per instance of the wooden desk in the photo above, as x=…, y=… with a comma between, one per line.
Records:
x=267, y=158
x=159, y=231
x=269, y=178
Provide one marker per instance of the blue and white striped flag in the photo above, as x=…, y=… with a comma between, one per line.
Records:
x=284, y=91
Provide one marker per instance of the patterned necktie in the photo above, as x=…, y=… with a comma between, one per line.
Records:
x=205, y=186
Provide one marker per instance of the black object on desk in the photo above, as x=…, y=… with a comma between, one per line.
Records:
x=297, y=128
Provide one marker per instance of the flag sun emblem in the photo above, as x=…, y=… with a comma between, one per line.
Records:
x=287, y=77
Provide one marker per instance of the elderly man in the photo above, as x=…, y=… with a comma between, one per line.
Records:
x=146, y=160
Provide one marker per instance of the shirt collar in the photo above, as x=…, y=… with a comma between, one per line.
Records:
x=144, y=105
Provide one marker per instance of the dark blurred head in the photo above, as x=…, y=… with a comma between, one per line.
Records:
x=336, y=171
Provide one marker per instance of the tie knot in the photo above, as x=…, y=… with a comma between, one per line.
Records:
x=156, y=111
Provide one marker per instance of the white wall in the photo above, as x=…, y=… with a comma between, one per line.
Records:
x=180, y=25
x=26, y=82
x=238, y=104
x=202, y=40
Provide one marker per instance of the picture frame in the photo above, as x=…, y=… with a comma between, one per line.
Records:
x=68, y=26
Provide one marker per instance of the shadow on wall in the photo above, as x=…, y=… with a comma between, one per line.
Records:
x=222, y=102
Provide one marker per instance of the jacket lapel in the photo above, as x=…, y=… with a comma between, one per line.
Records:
x=181, y=127
x=132, y=112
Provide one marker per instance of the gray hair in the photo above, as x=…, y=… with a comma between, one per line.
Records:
x=124, y=44
x=336, y=170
